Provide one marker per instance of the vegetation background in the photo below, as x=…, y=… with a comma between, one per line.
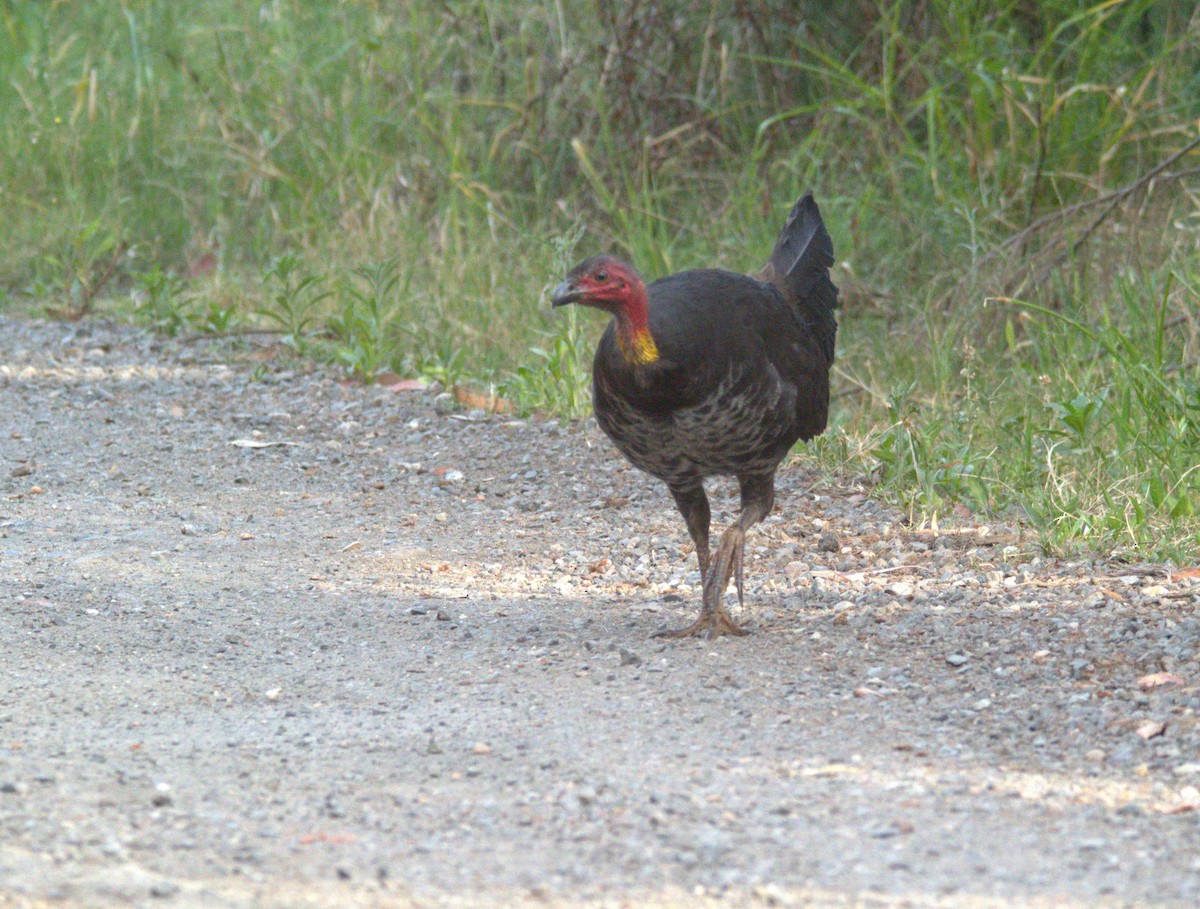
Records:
x=1011, y=188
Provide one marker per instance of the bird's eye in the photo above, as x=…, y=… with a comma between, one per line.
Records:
x=601, y=276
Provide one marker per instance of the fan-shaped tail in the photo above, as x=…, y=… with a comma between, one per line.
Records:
x=799, y=267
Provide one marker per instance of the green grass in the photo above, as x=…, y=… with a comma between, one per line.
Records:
x=395, y=187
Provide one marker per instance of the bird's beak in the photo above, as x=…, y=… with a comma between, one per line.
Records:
x=566, y=293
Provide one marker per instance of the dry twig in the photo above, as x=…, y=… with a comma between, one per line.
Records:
x=1108, y=201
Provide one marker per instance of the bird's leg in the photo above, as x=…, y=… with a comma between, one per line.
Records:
x=693, y=505
x=738, y=560
x=758, y=495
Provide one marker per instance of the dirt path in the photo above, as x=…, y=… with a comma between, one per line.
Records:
x=268, y=640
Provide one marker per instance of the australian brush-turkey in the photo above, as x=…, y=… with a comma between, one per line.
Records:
x=709, y=372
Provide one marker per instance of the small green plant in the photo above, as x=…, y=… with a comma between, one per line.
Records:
x=292, y=299
x=159, y=302
x=445, y=364
x=930, y=455
x=558, y=380
x=86, y=260
x=217, y=319
x=162, y=301
x=1074, y=418
x=361, y=329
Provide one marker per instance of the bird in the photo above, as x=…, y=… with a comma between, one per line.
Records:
x=708, y=373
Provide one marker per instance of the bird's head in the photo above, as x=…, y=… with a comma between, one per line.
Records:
x=616, y=287
x=605, y=283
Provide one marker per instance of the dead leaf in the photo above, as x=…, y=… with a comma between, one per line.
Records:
x=862, y=691
x=258, y=443
x=203, y=266
x=477, y=401
x=1178, y=808
x=1151, y=729
x=393, y=382
x=334, y=838
x=1158, y=679
x=1189, y=800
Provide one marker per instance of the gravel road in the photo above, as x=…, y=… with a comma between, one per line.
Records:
x=268, y=639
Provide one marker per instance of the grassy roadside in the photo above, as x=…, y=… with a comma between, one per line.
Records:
x=393, y=187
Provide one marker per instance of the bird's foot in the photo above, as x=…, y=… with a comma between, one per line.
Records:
x=715, y=619
x=711, y=624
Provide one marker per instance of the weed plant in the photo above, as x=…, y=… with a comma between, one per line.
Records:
x=1011, y=188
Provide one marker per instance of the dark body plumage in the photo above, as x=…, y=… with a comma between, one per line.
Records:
x=741, y=377
x=739, y=373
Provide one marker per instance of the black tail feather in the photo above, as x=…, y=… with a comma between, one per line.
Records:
x=799, y=267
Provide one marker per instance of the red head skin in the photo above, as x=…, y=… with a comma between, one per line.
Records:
x=614, y=286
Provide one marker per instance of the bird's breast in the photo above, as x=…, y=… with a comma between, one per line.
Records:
x=744, y=424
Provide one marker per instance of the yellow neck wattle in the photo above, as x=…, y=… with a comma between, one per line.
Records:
x=638, y=347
